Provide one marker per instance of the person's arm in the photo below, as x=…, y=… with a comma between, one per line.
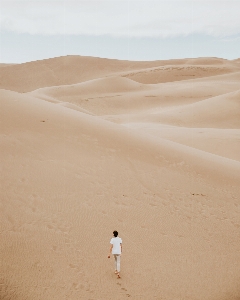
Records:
x=121, y=247
x=110, y=251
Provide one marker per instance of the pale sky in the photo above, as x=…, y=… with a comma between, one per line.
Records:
x=132, y=30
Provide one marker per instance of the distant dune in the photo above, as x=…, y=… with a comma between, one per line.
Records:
x=63, y=70
x=151, y=149
x=74, y=69
x=6, y=65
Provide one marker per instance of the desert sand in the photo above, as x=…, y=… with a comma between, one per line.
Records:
x=151, y=149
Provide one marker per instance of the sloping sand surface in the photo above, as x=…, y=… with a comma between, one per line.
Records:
x=74, y=69
x=225, y=142
x=63, y=70
x=158, y=162
x=217, y=112
x=177, y=73
x=119, y=95
x=5, y=65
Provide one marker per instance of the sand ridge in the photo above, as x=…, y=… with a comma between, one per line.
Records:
x=113, y=146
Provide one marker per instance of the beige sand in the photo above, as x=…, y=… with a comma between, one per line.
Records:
x=151, y=149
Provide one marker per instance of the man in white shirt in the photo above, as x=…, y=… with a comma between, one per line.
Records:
x=116, y=250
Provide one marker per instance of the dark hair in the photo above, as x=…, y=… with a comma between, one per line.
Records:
x=115, y=233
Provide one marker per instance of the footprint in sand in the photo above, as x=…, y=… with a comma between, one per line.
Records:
x=128, y=295
x=75, y=286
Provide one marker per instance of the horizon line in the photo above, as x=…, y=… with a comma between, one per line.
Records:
x=117, y=59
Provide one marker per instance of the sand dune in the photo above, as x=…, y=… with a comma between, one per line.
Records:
x=98, y=151
x=5, y=65
x=217, y=112
x=74, y=69
x=121, y=95
x=109, y=85
x=178, y=73
x=63, y=70
x=222, y=142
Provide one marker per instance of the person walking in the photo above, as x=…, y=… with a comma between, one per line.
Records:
x=116, y=250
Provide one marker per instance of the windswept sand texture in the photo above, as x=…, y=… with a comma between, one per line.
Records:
x=151, y=149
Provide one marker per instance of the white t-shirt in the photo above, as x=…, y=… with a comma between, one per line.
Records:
x=116, y=241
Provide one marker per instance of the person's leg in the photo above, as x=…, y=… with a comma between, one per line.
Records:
x=118, y=265
x=115, y=260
